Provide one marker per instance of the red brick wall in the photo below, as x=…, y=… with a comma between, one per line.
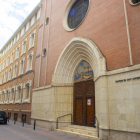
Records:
x=104, y=24
x=134, y=27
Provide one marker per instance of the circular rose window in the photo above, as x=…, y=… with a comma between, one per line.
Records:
x=75, y=14
x=134, y=2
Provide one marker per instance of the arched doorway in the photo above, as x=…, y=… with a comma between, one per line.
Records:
x=77, y=50
x=84, y=95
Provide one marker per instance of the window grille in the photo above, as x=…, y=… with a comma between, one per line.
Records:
x=77, y=13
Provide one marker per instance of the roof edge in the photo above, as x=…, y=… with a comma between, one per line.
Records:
x=22, y=25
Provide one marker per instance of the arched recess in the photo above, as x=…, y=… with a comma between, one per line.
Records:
x=78, y=49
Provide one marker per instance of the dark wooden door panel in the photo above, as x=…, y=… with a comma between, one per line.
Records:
x=83, y=113
x=90, y=111
x=79, y=111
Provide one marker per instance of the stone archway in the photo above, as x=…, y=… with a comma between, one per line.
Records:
x=78, y=49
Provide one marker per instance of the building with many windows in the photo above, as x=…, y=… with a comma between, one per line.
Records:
x=80, y=59
x=17, y=69
x=88, y=64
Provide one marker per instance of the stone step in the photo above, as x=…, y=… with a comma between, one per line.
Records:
x=78, y=134
x=80, y=131
x=83, y=127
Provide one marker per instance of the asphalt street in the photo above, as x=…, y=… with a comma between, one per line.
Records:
x=17, y=132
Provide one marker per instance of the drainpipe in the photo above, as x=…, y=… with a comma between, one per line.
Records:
x=128, y=33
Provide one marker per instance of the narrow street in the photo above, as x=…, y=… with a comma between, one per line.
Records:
x=17, y=132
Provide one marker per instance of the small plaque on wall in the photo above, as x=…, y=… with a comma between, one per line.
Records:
x=89, y=102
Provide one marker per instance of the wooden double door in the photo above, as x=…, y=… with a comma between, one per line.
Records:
x=84, y=103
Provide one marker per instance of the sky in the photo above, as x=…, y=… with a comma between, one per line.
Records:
x=12, y=14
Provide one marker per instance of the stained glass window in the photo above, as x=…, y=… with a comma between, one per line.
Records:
x=135, y=1
x=83, y=72
x=77, y=13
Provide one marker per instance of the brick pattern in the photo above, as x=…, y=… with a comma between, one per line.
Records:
x=104, y=24
x=134, y=28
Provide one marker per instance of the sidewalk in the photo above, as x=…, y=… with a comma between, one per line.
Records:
x=17, y=132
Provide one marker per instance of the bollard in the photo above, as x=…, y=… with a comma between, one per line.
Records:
x=23, y=123
x=14, y=121
x=34, y=124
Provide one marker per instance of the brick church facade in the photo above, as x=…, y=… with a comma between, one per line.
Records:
x=87, y=63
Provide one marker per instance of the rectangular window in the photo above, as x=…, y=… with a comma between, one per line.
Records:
x=21, y=67
x=9, y=47
x=32, y=40
x=18, y=36
x=12, y=57
x=32, y=20
x=3, y=66
x=18, y=94
x=7, y=62
x=38, y=14
x=10, y=73
x=0, y=98
x=14, y=40
x=12, y=94
x=22, y=31
x=17, y=52
x=23, y=51
x=6, y=97
x=1, y=78
x=29, y=61
x=5, y=76
x=0, y=66
x=26, y=92
x=27, y=26
x=15, y=70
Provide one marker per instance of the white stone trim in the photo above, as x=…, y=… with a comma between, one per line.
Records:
x=7, y=61
x=7, y=101
x=130, y=1
x=26, y=100
x=1, y=78
x=20, y=94
x=24, y=43
x=32, y=42
x=28, y=68
x=21, y=70
x=0, y=66
x=15, y=74
x=3, y=65
x=5, y=76
x=12, y=57
x=3, y=93
x=65, y=18
x=1, y=97
x=17, y=51
x=78, y=49
x=9, y=78
x=12, y=101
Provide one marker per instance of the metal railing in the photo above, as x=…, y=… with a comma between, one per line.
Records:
x=61, y=117
x=95, y=119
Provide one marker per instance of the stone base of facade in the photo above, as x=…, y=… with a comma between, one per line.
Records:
x=104, y=134
x=50, y=125
x=118, y=135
